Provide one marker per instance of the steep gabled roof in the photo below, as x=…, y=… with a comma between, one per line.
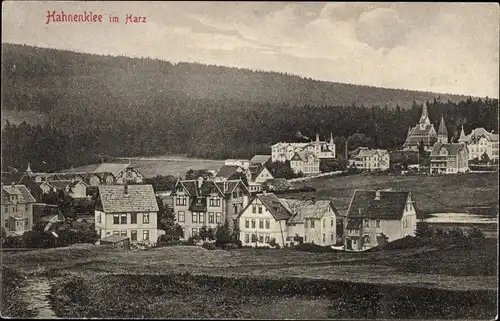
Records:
x=306, y=209
x=453, y=148
x=255, y=171
x=23, y=194
x=139, y=198
x=228, y=171
x=390, y=206
x=112, y=168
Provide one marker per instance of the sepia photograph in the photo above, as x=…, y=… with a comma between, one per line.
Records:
x=249, y=160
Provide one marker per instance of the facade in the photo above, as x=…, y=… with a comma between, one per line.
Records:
x=243, y=163
x=127, y=210
x=257, y=175
x=371, y=159
x=75, y=189
x=423, y=132
x=373, y=213
x=122, y=173
x=282, y=152
x=199, y=203
x=17, y=209
x=480, y=141
x=262, y=220
x=314, y=221
x=305, y=162
x=449, y=158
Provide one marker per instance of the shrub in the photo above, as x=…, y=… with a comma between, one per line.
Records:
x=209, y=246
x=230, y=246
x=476, y=233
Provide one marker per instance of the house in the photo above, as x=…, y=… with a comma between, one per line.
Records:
x=17, y=209
x=127, y=210
x=305, y=162
x=315, y=221
x=229, y=172
x=75, y=189
x=260, y=159
x=422, y=132
x=243, y=163
x=373, y=214
x=479, y=142
x=96, y=179
x=262, y=220
x=371, y=159
x=282, y=152
x=117, y=241
x=257, y=175
x=122, y=173
x=209, y=203
x=449, y=158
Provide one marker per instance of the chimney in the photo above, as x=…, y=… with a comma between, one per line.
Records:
x=200, y=182
x=377, y=195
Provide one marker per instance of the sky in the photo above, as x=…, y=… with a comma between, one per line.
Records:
x=438, y=47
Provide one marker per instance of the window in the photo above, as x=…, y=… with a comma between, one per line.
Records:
x=124, y=233
x=305, y=238
x=377, y=223
x=116, y=219
x=405, y=222
x=26, y=207
x=331, y=222
x=123, y=219
x=145, y=218
x=261, y=224
x=254, y=238
x=324, y=238
x=116, y=232
x=133, y=218
x=247, y=223
x=181, y=217
x=268, y=223
x=261, y=238
x=99, y=218
x=247, y=238
x=366, y=222
x=215, y=202
x=6, y=208
x=201, y=218
x=254, y=209
x=253, y=223
x=6, y=223
x=145, y=235
x=260, y=209
x=312, y=223
x=180, y=201
x=235, y=195
x=305, y=223
x=324, y=224
x=267, y=238
x=331, y=236
x=133, y=235
x=217, y=217
x=235, y=208
x=194, y=217
x=211, y=218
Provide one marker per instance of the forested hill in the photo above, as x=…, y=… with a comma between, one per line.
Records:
x=41, y=79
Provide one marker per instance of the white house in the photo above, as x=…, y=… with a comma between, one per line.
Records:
x=305, y=162
x=373, y=213
x=262, y=220
x=371, y=159
x=449, y=158
x=127, y=210
x=281, y=152
x=480, y=141
x=17, y=209
x=315, y=221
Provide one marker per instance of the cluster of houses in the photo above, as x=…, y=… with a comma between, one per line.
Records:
x=450, y=157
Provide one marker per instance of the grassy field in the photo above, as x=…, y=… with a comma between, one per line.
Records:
x=192, y=282
x=432, y=194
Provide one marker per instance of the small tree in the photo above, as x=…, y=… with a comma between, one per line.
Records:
x=166, y=220
x=223, y=235
x=203, y=233
x=423, y=229
x=485, y=159
x=211, y=234
x=382, y=240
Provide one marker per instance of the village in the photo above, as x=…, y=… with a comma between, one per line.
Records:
x=242, y=203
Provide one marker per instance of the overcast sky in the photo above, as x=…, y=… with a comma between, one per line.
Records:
x=446, y=47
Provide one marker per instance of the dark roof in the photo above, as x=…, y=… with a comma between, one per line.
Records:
x=354, y=223
x=452, y=148
x=279, y=183
x=391, y=205
x=255, y=171
x=59, y=184
x=302, y=209
x=228, y=171
x=140, y=198
x=199, y=204
x=274, y=206
x=23, y=194
x=260, y=159
x=442, y=131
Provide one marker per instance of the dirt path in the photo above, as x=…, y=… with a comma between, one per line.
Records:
x=35, y=294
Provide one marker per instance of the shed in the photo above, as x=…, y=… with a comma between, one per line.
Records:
x=117, y=241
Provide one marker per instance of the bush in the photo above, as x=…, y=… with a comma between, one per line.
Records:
x=476, y=233
x=231, y=246
x=209, y=246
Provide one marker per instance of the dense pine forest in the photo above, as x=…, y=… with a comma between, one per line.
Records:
x=99, y=107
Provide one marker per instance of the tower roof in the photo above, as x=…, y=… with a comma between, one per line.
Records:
x=424, y=118
x=442, y=131
x=462, y=135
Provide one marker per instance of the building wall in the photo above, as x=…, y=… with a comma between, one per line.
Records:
x=263, y=176
x=105, y=226
x=309, y=167
x=276, y=230
x=129, y=174
x=78, y=191
x=376, y=162
x=17, y=226
x=294, y=230
x=94, y=180
x=324, y=230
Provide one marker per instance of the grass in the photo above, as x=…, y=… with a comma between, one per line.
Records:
x=475, y=189
x=192, y=282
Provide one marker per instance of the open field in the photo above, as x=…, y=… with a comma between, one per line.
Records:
x=432, y=194
x=186, y=282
